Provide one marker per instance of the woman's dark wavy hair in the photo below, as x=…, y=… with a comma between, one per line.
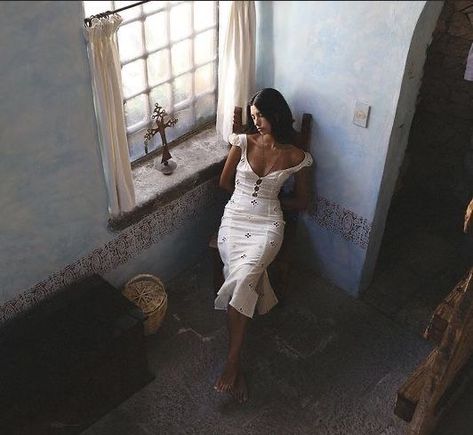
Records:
x=275, y=109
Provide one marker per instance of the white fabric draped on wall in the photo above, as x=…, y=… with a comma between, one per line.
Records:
x=469, y=65
x=469, y=61
x=236, y=68
x=108, y=100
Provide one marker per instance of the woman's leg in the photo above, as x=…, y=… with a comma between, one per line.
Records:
x=232, y=379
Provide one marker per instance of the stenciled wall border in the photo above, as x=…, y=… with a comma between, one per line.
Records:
x=129, y=243
x=154, y=227
x=337, y=219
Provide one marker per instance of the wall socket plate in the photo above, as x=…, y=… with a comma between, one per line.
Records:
x=361, y=114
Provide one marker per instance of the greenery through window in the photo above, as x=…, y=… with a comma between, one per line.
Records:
x=168, y=55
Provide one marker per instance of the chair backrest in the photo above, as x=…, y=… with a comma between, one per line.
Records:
x=303, y=136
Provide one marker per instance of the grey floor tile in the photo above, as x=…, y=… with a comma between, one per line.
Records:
x=322, y=362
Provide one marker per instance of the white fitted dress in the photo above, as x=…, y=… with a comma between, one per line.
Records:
x=250, y=235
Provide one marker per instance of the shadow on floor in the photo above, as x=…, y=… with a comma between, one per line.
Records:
x=424, y=254
x=321, y=363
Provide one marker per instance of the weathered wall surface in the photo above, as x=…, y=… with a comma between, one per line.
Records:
x=325, y=56
x=53, y=215
x=439, y=156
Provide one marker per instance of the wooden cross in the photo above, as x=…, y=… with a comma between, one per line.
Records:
x=163, y=121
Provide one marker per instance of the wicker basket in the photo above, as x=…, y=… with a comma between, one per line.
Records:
x=147, y=292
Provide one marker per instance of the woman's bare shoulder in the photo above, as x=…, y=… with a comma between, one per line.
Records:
x=296, y=155
x=253, y=138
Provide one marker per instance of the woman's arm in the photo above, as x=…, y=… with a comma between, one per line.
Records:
x=300, y=199
x=227, y=178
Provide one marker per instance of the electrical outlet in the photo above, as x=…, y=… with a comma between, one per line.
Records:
x=361, y=114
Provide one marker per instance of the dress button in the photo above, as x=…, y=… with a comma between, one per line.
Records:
x=256, y=188
x=255, y=194
x=258, y=181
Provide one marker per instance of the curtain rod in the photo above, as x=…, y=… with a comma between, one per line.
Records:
x=88, y=21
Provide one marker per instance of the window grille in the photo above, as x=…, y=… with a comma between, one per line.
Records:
x=168, y=55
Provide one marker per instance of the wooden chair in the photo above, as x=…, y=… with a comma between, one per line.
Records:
x=441, y=377
x=279, y=269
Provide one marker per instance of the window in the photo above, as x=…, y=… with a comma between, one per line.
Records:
x=168, y=55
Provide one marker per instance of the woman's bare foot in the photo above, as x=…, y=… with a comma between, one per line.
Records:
x=240, y=389
x=227, y=379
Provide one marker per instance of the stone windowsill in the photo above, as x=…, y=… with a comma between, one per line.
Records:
x=199, y=158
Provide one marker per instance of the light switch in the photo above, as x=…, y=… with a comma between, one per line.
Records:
x=361, y=114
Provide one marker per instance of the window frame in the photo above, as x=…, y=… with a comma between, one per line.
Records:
x=141, y=126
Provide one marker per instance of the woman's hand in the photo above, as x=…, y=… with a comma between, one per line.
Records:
x=227, y=178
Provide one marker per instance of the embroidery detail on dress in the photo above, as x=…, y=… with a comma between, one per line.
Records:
x=247, y=235
x=254, y=202
x=237, y=181
x=224, y=239
x=243, y=256
x=276, y=224
x=272, y=243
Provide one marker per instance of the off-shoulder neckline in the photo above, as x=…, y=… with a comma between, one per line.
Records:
x=272, y=172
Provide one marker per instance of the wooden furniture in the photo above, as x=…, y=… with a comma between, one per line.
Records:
x=438, y=380
x=70, y=360
x=279, y=269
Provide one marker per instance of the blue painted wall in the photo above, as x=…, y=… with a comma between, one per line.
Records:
x=53, y=198
x=54, y=206
x=323, y=56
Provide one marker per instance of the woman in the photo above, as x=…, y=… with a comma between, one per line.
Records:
x=252, y=227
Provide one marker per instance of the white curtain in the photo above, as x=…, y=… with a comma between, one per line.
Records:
x=236, y=68
x=108, y=100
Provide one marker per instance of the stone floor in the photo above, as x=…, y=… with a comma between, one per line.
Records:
x=321, y=362
x=424, y=253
